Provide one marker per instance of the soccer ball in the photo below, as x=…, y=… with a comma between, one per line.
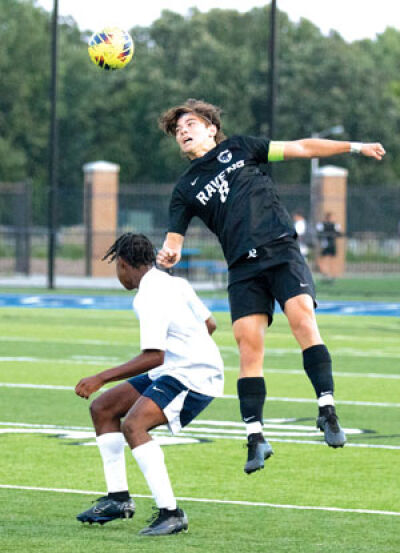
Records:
x=111, y=48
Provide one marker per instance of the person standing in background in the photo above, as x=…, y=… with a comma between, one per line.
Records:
x=328, y=231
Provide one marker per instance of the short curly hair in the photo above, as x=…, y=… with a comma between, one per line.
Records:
x=208, y=112
x=135, y=249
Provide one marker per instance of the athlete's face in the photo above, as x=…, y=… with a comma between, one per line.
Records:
x=194, y=136
x=128, y=276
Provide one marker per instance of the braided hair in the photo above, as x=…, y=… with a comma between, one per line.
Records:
x=135, y=249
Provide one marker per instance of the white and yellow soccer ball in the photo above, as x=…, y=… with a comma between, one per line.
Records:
x=112, y=48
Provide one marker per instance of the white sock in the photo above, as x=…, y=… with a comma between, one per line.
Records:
x=253, y=428
x=150, y=458
x=326, y=399
x=111, y=448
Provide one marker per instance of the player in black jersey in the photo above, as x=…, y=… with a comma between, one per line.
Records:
x=226, y=188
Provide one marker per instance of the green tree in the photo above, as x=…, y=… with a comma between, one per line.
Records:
x=24, y=66
x=220, y=56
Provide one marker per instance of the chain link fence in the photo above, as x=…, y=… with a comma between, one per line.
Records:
x=372, y=235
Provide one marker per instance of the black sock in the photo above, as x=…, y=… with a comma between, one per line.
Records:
x=318, y=366
x=119, y=496
x=252, y=393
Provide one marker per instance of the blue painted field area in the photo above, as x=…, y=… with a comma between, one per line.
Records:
x=391, y=309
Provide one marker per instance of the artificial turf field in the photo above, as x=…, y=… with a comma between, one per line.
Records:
x=309, y=498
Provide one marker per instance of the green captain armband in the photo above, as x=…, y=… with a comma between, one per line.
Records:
x=275, y=152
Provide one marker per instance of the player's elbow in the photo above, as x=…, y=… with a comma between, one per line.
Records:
x=159, y=358
x=155, y=357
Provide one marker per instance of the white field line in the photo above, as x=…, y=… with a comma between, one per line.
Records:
x=84, y=432
x=59, y=340
x=54, y=426
x=291, y=441
x=217, y=501
x=337, y=401
x=268, y=371
x=343, y=352
x=97, y=360
x=269, y=351
x=226, y=396
x=35, y=386
x=226, y=427
x=88, y=341
x=340, y=337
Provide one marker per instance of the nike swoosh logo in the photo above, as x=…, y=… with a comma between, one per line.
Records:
x=247, y=419
x=303, y=285
x=194, y=181
x=158, y=389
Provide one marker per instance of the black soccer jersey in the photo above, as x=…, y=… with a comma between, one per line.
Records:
x=227, y=190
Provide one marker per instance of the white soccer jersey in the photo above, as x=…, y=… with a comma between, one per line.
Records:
x=172, y=319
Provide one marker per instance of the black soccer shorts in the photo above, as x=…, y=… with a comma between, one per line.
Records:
x=279, y=272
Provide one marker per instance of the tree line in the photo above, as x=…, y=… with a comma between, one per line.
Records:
x=220, y=56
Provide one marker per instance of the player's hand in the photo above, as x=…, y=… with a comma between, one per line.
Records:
x=375, y=150
x=168, y=257
x=87, y=386
x=211, y=325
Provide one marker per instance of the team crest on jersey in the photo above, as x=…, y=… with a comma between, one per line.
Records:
x=225, y=156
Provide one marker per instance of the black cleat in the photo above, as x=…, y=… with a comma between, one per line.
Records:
x=258, y=451
x=328, y=423
x=166, y=522
x=107, y=509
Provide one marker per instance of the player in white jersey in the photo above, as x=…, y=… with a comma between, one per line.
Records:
x=183, y=373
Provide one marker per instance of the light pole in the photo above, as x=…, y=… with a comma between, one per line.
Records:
x=272, y=74
x=272, y=70
x=52, y=198
x=337, y=129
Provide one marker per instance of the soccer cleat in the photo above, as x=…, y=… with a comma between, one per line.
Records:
x=328, y=423
x=258, y=451
x=166, y=522
x=107, y=509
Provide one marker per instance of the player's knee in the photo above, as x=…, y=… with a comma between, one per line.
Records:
x=248, y=340
x=95, y=409
x=129, y=428
x=251, y=349
x=99, y=411
x=303, y=326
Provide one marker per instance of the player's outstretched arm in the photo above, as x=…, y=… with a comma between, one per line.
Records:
x=307, y=148
x=170, y=253
x=145, y=361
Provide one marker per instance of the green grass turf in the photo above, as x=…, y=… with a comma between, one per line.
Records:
x=379, y=288
x=50, y=527
x=59, y=346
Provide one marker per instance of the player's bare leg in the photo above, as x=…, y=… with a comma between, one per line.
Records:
x=111, y=406
x=249, y=333
x=144, y=416
x=317, y=364
x=107, y=411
